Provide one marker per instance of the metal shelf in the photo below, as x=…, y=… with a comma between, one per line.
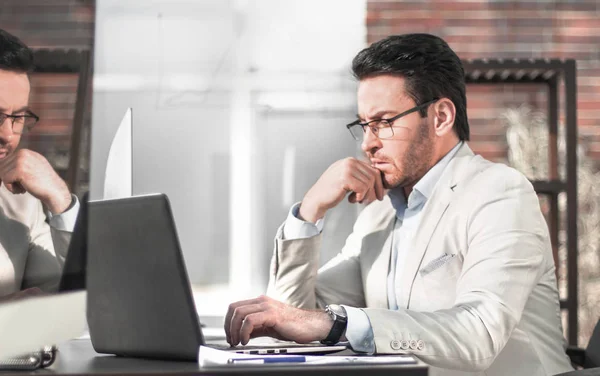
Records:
x=549, y=187
x=547, y=72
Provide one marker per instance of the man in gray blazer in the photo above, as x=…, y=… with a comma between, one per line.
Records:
x=32, y=251
x=450, y=260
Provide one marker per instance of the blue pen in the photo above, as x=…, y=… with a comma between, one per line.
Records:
x=270, y=359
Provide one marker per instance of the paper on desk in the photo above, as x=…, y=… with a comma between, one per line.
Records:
x=209, y=357
x=380, y=359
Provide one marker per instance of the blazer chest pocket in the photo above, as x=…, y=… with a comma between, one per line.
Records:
x=439, y=277
x=437, y=263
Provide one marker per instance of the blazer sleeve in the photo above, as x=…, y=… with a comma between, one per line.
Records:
x=504, y=260
x=47, y=252
x=295, y=276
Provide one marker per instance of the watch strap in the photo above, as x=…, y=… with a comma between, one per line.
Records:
x=340, y=321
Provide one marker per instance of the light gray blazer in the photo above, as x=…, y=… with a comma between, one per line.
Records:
x=32, y=253
x=478, y=293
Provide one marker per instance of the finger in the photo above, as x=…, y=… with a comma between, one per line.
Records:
x=10, y=174
x=360, y=188
x=15, y=188
x=365, y=197
x=369, y=198
x=230, y=310
x=252, y=321
x=239, y=315
x=11, y=181
x=10, y=187
x=379, y=190
x=359, y=184
x=357, y=193
x=365, y=170
x=227, y=322
x=373, y=178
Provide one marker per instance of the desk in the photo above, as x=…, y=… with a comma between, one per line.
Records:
x=79, y=357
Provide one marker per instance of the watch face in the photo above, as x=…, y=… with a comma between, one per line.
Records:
x=338, y=310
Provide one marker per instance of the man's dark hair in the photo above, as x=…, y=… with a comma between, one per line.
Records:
x=429, y=66
x=15, y=56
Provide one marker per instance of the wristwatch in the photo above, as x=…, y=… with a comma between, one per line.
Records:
x=340, y=320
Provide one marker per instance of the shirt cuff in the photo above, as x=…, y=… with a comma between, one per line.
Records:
x=66, y=220
x=359, y=331
x=295, y=228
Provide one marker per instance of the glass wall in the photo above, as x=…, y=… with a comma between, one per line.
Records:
x=238, y=107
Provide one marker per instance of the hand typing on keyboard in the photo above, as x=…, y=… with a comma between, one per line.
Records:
x=264, y=316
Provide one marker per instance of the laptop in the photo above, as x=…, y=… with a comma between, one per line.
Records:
x=140, y=302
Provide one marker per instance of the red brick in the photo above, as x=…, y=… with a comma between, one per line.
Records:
x=588, y=105
x=587, y=122
x=580, y=6
x=54, y=80
x=585, y=38
x=513, y=6
x=429, y=22
x=444, y=5
x=396, y=5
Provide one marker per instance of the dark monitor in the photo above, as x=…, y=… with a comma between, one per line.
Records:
x=74, y=270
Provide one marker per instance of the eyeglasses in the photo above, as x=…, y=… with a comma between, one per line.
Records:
x=381, y=128
x=20, y=123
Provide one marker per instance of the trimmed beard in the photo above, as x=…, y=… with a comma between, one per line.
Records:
x=418, y=157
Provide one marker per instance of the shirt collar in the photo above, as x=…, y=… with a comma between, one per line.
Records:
x=427, y=183
x=424, y=187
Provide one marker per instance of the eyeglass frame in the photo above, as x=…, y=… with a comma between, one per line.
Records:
x=28, y=115
x=375, y=130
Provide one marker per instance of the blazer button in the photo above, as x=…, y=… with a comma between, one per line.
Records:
x=412, y=344
x=404, y=344
x=420, y=345
x=395, y=344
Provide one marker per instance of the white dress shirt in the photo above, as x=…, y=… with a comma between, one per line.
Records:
x=66, y=220
x=408, y=215
x=32, y=251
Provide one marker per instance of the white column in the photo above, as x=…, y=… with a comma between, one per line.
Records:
x=240, y=189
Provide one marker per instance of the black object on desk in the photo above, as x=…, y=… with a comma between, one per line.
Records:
x=34, y=360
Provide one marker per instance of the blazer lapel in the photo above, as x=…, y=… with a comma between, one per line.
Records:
x=376, y=284
x=430, y=217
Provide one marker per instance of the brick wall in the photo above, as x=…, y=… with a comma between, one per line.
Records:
x=55, y=24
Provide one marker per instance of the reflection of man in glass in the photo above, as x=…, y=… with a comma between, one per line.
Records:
x=37, y=210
